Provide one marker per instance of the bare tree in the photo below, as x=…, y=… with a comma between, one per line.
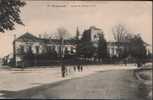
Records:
x=120, y=33
x=62, y=33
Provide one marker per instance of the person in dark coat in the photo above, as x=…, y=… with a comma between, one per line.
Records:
x=63, y=70
x=81, y=68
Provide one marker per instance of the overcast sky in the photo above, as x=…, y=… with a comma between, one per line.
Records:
x=42, y=17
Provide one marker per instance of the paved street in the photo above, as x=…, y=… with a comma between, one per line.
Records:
x=115, y=84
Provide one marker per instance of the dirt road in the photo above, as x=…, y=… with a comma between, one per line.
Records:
x=117, y=84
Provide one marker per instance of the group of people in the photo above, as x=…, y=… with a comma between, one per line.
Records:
x=78, y=67
x=66, y=70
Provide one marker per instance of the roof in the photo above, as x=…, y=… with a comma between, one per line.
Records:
x=47, y=41
x=93, y=27
x=70, y=41
x=27, y=37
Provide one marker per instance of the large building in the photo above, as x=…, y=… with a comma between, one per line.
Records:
x=32, y=45
x=36, y=48
x=114, y=49
x=92, y=34
x=29, y=48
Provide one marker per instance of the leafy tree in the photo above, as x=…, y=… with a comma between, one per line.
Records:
x=50, y=53
x=138, y=48
x=102, y=47
x=9, y=14
x=86, y=49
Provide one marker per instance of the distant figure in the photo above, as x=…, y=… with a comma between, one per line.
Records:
x=78, y=67
x=125, y=62
x=81, y=68
x=66, y=70
x=74, y=68
x=63, y=70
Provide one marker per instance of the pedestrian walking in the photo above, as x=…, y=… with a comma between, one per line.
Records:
x=63, y=70
x=74, y=68
x=66, y=71
x=78, y=67
x=81, y=68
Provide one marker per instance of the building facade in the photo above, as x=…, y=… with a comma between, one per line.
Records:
x=31, y=49
x=92, y=34
x=28, y=46
x=113, y=48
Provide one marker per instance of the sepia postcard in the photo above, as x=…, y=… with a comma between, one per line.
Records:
x=75, y=49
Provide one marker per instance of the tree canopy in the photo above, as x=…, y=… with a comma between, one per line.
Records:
x=102, y=47
x=86, y=49
x=10, y=14
x=138, y=48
